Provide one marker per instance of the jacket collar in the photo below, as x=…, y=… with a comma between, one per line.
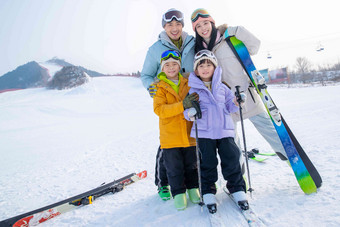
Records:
x=162, y=77
x=164, y=38
x=183, y=82
x=218, y=39
x=196, y=82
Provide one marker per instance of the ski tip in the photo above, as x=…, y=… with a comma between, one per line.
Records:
x=142, y=174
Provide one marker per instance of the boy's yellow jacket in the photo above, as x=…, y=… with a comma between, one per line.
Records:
x=168, y=105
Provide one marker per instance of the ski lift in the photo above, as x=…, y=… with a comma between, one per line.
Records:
x=319, y=47
x=269, y=56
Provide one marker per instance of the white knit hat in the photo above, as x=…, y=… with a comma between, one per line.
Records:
x=171, y=59
x=204, y=55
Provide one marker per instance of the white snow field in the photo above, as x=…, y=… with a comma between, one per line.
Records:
x=57, y=144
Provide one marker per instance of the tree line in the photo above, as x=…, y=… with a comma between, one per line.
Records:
x=303, y=72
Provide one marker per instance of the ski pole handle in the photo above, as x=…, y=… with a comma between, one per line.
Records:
x=238, y=95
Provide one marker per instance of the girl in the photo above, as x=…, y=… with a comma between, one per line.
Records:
x=215, y=130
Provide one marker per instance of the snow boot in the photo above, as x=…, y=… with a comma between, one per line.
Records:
x=241, y=199
x=164, y=193
x=210, y=200
x=194, y=195
x=180, y=201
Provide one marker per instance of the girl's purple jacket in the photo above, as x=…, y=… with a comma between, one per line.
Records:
x=216, y=106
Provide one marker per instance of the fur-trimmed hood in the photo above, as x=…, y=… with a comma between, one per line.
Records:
x=222, y=28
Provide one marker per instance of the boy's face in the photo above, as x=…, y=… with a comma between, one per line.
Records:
x=171, y=70
x=173, y=29
x=206, y=71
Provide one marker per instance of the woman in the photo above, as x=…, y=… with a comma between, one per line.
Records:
x=211, y=38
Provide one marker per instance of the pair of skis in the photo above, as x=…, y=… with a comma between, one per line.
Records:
x=43, y=214
x=305, y=172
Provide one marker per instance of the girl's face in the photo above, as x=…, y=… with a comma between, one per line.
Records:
x=173, y=29
x=204, y=29
x=205, y=71
x=171, y=70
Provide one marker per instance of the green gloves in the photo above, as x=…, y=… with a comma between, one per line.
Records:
x=187, y=102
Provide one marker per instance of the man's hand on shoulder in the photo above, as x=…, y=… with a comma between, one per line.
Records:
x=152, y=89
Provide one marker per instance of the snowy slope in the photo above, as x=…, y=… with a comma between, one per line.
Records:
x=51, y=67
x=56, y=144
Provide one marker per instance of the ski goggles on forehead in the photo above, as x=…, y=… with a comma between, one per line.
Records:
x=202, y=53
x=169, y=16
x=199, y=13
x=170, y=53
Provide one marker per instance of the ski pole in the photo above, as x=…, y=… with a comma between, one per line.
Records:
x=239, y=100
x=198, y=163
x=193, y=112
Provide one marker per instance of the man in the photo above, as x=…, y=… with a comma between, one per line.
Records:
x=172, y=38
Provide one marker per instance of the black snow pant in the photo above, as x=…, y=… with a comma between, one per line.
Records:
x=161, y=178
x=231, y=170
x=181, y=167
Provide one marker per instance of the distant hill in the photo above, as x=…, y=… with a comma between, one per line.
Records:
x=68, y=77
x=25, y=76
x=33, y=74
x=58, y=61
x=62, y=62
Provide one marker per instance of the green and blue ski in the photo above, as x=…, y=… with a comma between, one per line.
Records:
x=304, y=170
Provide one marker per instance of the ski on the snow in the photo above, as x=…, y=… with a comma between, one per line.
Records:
x=216, y=215
x=249, y=215
x=216, y=219
x=257, y=152
x=43, y=214
x=304, y=170
x=253, y=154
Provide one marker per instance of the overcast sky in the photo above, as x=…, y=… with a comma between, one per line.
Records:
x=112, y=36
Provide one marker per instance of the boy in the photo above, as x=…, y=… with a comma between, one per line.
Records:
x=178, y=148
x=172, y=37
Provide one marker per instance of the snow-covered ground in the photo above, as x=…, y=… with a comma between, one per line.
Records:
x=56, y=144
